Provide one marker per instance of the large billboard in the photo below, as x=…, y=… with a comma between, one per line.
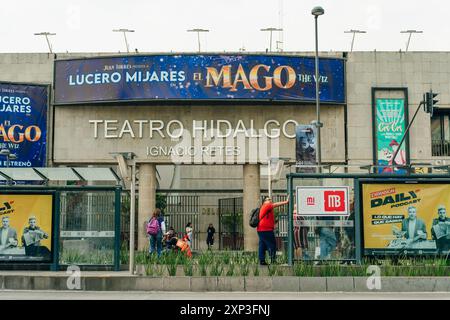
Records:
x=390, y=126
x=26, y=227
x=23, y=124
x=197, y=77
x=406, y=218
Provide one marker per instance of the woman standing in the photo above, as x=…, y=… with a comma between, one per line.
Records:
x=189, y=234
x=156, y=234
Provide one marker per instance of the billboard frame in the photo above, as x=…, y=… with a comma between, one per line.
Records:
x=390, y=252
x=49, y=138
x=199, y=101
x=374, y=92
x=54, y=255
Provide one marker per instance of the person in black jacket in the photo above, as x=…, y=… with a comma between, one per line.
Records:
x=210, y=236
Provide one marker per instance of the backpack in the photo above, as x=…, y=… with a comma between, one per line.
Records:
x=153, y=227
x=254, y=218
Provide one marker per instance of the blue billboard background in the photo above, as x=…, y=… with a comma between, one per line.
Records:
x=197, y=77
x=23, y=124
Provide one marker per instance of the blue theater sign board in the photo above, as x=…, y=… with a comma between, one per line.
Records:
x=197, y=77
x=23, y=124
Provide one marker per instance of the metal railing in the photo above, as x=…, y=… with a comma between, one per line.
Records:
x=440, y=148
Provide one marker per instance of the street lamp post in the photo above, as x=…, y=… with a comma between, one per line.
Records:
x=271, y=30
x=409, y=38
x=46, y=34
x=124, y=31
x=316, y=12
x=198, y=35
x=353, y=38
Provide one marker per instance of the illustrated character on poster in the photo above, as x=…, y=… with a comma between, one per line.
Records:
x=400, y=158
x=384, y=159
x=8, y=235
x=413, y=229
x=440, y=230
x=386, y=156
x=31, y=239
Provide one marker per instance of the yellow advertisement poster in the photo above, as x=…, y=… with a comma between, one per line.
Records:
x=26, y=227
x=406, y=217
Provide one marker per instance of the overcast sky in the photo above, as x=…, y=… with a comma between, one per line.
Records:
x=86, y=25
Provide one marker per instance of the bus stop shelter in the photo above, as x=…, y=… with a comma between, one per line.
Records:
x=58, y=217
x=352, y=225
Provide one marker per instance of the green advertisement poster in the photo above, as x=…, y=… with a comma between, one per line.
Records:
x=390, y=125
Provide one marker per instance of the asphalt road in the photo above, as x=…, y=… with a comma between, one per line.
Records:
x=135, y=295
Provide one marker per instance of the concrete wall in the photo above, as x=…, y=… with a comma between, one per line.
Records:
x=74, y=122
x=418, y=71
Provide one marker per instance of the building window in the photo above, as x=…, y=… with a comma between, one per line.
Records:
x=440, y=135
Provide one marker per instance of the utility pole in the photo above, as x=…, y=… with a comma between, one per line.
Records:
x=198, y=30
x=353, y=38
x=271, y=29
x=124, y=31
x=46, y=35
x=410, y=34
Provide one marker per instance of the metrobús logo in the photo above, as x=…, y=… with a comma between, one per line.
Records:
x=6, y=208
x=334, y=201
x=17, y=133
x=389, y=197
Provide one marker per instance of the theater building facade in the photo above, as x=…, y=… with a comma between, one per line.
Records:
x=211, y=122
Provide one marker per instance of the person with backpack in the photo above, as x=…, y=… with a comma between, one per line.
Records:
x=266, y=228
x=155, y=230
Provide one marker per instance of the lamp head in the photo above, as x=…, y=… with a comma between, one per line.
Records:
x=317, y=11
x=5, y=152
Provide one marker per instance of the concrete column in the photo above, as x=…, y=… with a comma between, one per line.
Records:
x=147, y=201
x=252, y=195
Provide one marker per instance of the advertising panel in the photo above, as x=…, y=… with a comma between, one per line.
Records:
x=23, y=124
x=305, y=147
x=197, y=77
x=390, y=125
x=322, y=201
x=26, y=227
x=406, y=218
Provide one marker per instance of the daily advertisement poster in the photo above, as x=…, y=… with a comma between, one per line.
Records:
x=390, y=127
x=23, y=124
x=305, y=147
x=26, y=227
x=197, y=77
x=411, y=217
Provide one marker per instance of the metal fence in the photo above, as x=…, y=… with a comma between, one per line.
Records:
x=440, y=148
x=231, y=228
x=87, y=228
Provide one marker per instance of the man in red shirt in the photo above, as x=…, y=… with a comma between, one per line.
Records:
x=265, y=230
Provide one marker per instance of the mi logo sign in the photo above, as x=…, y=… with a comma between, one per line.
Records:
x=322, y=201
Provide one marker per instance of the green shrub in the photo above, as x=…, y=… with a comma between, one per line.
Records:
x=188, y=268
x=244, y=269
x=256, y=270
x=216, y=269
x=272, y=269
